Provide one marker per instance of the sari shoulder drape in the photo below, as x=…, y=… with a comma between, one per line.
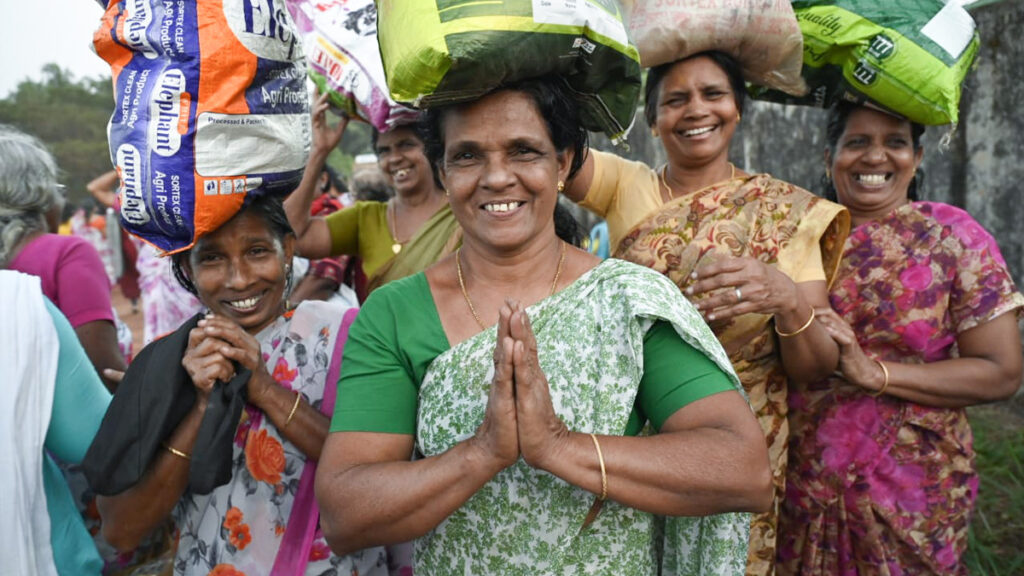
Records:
x=879, y=480
x=438, y=237
x=758, y=217
x=590, y=345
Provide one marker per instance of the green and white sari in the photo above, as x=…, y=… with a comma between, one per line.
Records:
x=525, y=521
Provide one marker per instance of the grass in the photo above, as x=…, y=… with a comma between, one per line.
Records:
x=996, y=539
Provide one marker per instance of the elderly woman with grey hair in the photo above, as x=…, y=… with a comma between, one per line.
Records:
x=71, y=271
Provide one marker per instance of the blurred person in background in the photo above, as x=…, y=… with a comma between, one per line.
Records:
x=394, y=239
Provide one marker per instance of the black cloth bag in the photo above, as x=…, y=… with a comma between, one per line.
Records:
x=153, y=398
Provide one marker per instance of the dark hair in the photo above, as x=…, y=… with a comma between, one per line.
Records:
x=334, y=180
x=556, y=105
x=268, y=207
x=838, y=116
x=727, y=63
x=567, y=227
x=415, y=125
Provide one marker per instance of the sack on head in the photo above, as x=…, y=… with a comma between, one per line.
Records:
x=210, y=107
x=909, y=57
x=340, y=42
x=762, y=35
x=449, y=51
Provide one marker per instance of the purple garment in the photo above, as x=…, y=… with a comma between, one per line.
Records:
x=72, y=275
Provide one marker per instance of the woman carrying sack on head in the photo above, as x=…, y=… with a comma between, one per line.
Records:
x=522, y=371
x=755, y=254
x=393, y=239
x=220, y=423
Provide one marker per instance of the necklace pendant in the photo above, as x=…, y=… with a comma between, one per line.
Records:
x=396, y=247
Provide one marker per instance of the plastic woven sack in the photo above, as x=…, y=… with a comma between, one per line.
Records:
x=210, y=107
x=909, y=57
x=446, y=51
x=763, y=36
x=340, y=42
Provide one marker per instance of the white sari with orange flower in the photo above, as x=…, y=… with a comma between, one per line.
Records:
x=238, y=529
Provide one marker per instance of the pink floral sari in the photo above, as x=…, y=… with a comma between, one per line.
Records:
x=883, y=485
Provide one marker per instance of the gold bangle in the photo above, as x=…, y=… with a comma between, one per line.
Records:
x=798, y=330
x=291, y=414
x=176, y=452
x=604, y=476
x=885, y=382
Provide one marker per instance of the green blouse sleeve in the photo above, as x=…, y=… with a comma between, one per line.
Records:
x=675, y=375
x=383, y=365
x=344, y=228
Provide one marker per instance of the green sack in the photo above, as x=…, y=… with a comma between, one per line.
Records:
x=448, y=51
x=909, y=57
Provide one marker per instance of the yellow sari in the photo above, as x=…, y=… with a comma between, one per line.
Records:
x=437, y=238
x=779, y=224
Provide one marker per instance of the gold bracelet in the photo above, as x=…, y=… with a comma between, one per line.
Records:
x=604, y=476
x=885, y=382
x=798, y=330
x=291, y=414
x=176, y=452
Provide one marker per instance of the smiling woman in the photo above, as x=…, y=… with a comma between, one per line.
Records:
x=925, y=314
x=271, y=366
x=523, y=375
x=756, y=254
x=395, y=238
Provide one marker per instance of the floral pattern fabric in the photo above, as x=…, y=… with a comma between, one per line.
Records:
x=165, y=304
x=884, y=485
x=236, y=530
x=590, y=345
x=757, y=217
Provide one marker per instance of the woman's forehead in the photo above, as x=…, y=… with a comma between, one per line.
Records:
x=245, y=228
x=514, y=112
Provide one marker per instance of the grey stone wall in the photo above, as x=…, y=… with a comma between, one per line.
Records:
x=979, y=170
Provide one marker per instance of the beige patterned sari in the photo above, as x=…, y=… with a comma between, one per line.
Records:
x=758, y=217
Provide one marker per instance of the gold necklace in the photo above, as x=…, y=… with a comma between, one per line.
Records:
x=465, y=294
x=672, y=196
x=393, y=212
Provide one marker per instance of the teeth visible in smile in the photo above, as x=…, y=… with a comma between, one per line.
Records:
x=698, y=131
x=504, y=207
x=872, y=179
x=245, y=304
x=401, y=173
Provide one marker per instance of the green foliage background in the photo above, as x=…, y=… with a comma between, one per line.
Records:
x=70, y=115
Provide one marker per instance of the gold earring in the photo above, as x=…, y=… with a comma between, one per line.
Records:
x=828, y=174
x=561, y=186
x=654, y=132
x=739, y=117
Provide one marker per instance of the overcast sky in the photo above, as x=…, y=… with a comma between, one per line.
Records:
x=40, y=31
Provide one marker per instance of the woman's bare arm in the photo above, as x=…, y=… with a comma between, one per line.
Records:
x=313, y=236
x=988, y=369
x=132, y=515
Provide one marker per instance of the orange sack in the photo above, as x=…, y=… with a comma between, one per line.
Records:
x=210, y=108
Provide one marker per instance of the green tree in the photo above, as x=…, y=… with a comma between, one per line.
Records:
x=70, y=115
